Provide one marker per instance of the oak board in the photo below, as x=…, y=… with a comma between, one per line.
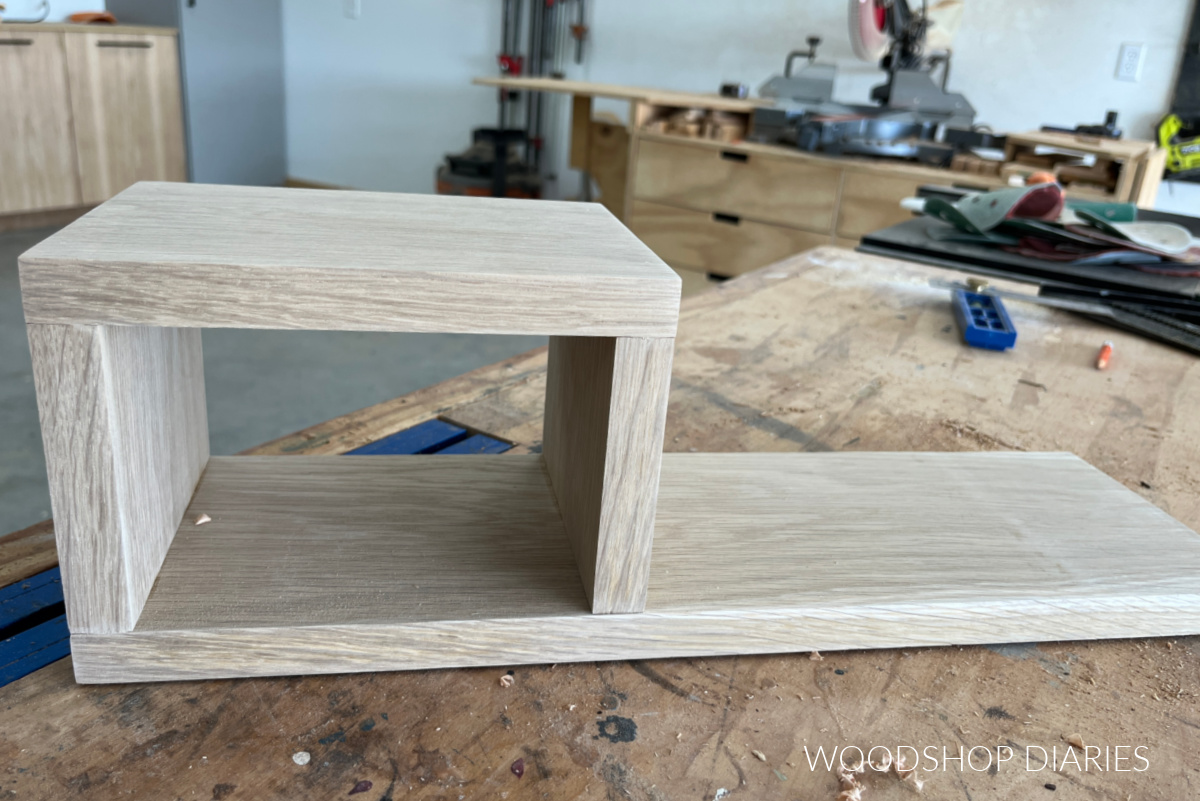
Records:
x=321, y=564
x=196, y=255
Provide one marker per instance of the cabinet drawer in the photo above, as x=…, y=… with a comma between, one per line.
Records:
x=715, y=243
x=871, y=201
x=786, y=191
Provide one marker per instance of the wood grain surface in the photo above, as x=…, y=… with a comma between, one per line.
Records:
x=38, y=156
x=666, y=97
x=870, y=202
x=27, y=552
x=365, y=540
x=77, y=27
x=759, y=187
x=707, y=243
x=605, y=411
x=831, y=351
x=125, y=432
x=384, y=563
x=251, y=257
x=127, y=108
x=579, y=397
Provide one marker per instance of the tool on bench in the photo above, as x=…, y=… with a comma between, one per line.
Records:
x=911, y=115
x=983, y=320
x=1140, y=318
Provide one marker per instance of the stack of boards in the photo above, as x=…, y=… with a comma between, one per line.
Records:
x=601, y=547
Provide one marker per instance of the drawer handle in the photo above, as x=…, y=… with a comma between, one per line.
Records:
x=132, y=45
x=728, y=219
x=16, y=42
x=733, y=155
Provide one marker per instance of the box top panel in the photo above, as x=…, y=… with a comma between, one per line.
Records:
x=194, y=255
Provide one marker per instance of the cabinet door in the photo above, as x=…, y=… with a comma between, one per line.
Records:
x=128, y=115
x=37, y=156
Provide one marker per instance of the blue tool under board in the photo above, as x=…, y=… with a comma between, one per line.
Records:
x=33, y=625
x=33, y=649
x=432, y=436
x=20, y=600
x=478, y=443
x=983, y=320
x=428, y=437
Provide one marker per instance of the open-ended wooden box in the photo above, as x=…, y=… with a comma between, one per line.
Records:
x=598, y=548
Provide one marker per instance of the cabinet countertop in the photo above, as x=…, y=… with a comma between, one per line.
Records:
x=74, y=27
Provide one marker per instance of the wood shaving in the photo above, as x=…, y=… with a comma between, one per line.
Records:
x=202, y=519
x=507, y=680
x=848, y=778
x=905, y=773
x=759, y=755
x=852, y=788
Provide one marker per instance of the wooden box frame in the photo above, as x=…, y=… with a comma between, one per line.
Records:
x=597, y=548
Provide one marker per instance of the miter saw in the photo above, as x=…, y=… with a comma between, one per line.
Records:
x=914, y=116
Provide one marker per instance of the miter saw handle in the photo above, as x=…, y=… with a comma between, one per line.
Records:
x=810, y=54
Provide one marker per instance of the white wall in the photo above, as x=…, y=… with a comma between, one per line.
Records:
x=59, y=9
x=1021, y=63
x=376, y=102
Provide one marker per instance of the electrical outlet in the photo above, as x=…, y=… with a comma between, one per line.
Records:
x=352, y=8
x=1129, y=62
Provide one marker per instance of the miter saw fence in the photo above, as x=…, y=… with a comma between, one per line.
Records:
x=912, y=112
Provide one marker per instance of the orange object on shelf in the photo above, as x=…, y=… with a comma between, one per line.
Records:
x=93, y=17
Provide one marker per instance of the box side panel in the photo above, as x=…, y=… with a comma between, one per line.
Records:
x=637, y=419
x=574, y=441
x=155, y=383
x=68, y=373
x=606, y=404
x=126, y=438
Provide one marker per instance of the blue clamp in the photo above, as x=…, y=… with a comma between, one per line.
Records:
x=983, y=320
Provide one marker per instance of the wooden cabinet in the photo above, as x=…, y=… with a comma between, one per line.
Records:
x=37, y=154
x=717, y=243
x=85, y=112
x=128, y=116
x=728, y=208
x=871, y=200
x=737, y=181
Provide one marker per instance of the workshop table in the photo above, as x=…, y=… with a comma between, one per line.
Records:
x=829, y=350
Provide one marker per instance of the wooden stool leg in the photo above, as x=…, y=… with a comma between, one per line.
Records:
x=606, y=409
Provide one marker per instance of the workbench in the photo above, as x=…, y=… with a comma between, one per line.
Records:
x=828, y=350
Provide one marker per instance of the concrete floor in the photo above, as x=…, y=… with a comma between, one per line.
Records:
x=260, y=384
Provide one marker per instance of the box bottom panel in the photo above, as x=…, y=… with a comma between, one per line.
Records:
x=329, y=564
